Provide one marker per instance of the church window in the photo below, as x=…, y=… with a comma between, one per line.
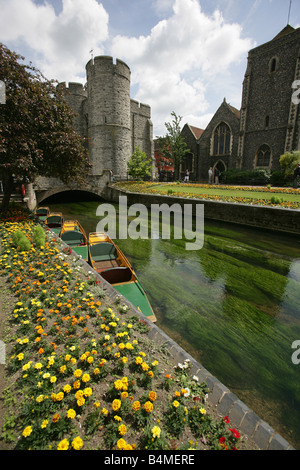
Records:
x=188, y=163
x=263, y=156
x=267, y=122
x=273, y=65
x=222, y=140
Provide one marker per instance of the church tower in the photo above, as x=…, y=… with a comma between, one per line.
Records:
x=269, y=118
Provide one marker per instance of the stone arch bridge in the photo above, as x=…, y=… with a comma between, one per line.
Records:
x=43, y=188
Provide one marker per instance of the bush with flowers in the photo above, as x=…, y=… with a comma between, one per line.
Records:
x=81, y=372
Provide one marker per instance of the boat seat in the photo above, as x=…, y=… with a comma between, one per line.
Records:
x=103, y=252
x=53, y=221
x=73, y=238
x=117, y=275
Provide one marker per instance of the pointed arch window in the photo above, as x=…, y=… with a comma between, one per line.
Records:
x=222, y=140
x=263, y=156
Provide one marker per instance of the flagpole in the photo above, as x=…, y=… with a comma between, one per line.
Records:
x=289, y=12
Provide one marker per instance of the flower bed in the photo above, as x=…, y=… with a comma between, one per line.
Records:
x=201, y=193
x=81, y=372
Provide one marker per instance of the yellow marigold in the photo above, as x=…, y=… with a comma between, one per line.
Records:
x=202, y=411
x=79, y=394
x=67, y=388
x=63, y=445
x=80, y=401
x=96, y=371
x=152, y=396
x=87, y=392
x=40, y=398
x=97, y=404
x=77, y=373
x=145, y=366
x=121, y=444
x=148, y=406
x=124, y=395
x=76, y=384
x=85, y=378
x=156, y=431
x=122, y=429
x=136, y=405
x=175, y=403
x=116, y=404
x=59, y=396
x=44, y=423
x=27, y=431
x=77, y=443
x=71, y=413
x=139, y=360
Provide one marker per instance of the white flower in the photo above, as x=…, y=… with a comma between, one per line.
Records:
x=195, y=378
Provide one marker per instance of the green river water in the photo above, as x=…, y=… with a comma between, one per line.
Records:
x=234, y=306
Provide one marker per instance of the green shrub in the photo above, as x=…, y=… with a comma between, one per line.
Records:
x=20, y=241
x=39, y=236
x=259, y=177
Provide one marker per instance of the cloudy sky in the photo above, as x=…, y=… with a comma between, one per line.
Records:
x=184, y=55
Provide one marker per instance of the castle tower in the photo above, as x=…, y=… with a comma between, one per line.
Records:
x=108, y=111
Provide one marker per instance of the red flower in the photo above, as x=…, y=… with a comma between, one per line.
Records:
x=226, y=419
x=235, y=433
x=222, y=440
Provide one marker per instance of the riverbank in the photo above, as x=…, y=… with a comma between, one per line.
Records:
x=81, y=369
x=262, y=214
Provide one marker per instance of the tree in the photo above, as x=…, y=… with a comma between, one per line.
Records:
x=288, y=162
x=37, y=135
x=139, y=165
x=173, y=146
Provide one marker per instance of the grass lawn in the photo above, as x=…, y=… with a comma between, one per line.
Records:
x=230, y=191
x=258, y=195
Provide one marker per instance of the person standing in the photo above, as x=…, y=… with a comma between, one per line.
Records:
x=187, y=176
x=210, y=176
x=217, y=175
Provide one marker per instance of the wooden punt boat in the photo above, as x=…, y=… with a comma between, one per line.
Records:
x=42, y=213
x=55, y=221
x=73, y=234
x=109, y=261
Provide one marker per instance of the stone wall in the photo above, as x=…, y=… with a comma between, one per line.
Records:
x=263, y=217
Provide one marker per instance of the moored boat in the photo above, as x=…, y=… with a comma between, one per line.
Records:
x=42, y=213
x=55, y=221
x=107, y=259
x=73, y=234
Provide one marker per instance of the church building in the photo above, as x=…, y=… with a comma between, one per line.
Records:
x=268, y=123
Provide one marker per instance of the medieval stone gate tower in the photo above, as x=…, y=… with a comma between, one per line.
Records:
x=114, y=123
x=108, y=87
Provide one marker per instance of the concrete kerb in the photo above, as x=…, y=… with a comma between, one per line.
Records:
x=226, y=403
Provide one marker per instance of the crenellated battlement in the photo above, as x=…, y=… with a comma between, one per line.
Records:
x=105, y=64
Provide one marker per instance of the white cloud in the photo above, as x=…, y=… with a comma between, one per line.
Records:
x=174, y=64
x=62, y=42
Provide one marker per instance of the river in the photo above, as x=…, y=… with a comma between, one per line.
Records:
x=234, y=306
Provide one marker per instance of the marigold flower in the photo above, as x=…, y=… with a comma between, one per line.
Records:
x=77, y=443
x=148, y=406
x=27, y=431
x=87, y=391
x=152, y=396
x=80, y=401
x=71, y=413
x=77, y=373
x=63, y=445
x=85, y=378
x=67, y=388
x=116, y=404
x=44, y=424
x=121, y=444
x=175, y=403
x=156, y=431
x=122, y=429
x=55, y=418
x=136, y=405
